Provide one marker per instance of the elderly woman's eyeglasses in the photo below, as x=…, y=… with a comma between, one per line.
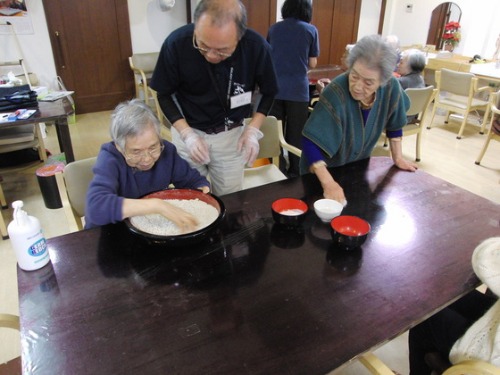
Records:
x=136, y=156
x=206, y=51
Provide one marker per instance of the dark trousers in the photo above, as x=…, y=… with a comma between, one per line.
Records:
x=439, y=332
x=293, y=116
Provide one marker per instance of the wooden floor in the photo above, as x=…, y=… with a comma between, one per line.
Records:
x=442, y=155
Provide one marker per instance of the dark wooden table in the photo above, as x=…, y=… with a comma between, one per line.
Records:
x=325, y=71
x=256, y=298
x=57, y=112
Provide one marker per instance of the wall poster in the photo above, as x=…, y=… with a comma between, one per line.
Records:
x=16, y=13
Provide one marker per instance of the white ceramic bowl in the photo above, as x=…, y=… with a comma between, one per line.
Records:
x=327, y=209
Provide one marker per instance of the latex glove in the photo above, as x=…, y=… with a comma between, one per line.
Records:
x=249, y=144
x=196, y=145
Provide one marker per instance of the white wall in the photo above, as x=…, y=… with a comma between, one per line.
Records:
x=480, y=26
x=369, y=17
x=149, y=27
x=35, y=48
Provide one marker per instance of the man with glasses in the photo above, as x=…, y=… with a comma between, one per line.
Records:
x=205, y=77
x=138, y=162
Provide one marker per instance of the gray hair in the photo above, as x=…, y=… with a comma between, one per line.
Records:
x=223, y=12
x=376, y=54
x=132, y=118
x=416, y=59
x=393, y=41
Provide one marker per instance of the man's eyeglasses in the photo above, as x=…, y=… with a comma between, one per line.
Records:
x=206, y=51
x=137, y=156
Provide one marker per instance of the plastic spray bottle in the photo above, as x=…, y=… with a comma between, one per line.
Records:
x=27, y=239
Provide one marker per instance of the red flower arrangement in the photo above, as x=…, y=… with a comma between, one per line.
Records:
x=451, y=33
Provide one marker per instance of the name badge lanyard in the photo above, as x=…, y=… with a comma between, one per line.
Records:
x=227, y=122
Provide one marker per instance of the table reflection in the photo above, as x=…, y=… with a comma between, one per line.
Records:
x=254, y=297
x=238, y=256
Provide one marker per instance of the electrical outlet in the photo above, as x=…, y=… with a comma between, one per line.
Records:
x=409, y=8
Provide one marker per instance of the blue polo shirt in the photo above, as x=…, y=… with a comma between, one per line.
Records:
x=182, y=71
x=293, y=42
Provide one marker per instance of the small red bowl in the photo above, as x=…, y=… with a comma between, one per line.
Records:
x=349, y=231
x=289, y=211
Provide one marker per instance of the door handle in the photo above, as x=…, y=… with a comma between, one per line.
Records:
x=60, y=49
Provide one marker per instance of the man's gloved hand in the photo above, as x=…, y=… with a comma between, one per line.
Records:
x=249, y=144
x=196, y=145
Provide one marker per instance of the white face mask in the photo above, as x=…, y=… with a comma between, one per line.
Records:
x=166, y=4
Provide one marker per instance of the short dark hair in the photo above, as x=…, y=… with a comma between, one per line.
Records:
x=300, y=9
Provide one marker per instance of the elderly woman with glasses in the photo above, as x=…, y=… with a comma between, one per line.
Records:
x=353, y=111
x=138, y=162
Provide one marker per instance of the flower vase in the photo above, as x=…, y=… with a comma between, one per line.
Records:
x=449, y=47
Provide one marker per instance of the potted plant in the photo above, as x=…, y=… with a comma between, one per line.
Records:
x=451, y=35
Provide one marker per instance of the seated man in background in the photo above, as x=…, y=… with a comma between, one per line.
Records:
x=138, y=162
x=410, y=68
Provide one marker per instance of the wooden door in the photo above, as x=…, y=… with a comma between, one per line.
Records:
x=337, y=22
x=260, y=15
x=439, y=17
x=91, y=45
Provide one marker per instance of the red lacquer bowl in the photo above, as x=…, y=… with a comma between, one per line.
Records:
x=289, y=211
x=349, y=231
x=187, y=238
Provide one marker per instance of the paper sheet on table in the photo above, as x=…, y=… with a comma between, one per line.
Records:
x=55, y=95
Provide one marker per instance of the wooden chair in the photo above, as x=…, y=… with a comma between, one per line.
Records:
x=143, y=65
x=471, y=367
x=375, y=365
x=456, y=94
x=270, y=148
x=493, y=107
x=3, y=203
x=73, y=184
x=440, y=365
x=312, y=103
x=12, y=367
x=20, y=137
x=420, y=98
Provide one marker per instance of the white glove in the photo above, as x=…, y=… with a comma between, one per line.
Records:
x=249, y=144
x=196, y=145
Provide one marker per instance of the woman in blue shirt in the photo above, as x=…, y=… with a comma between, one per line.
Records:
x=295, y=48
